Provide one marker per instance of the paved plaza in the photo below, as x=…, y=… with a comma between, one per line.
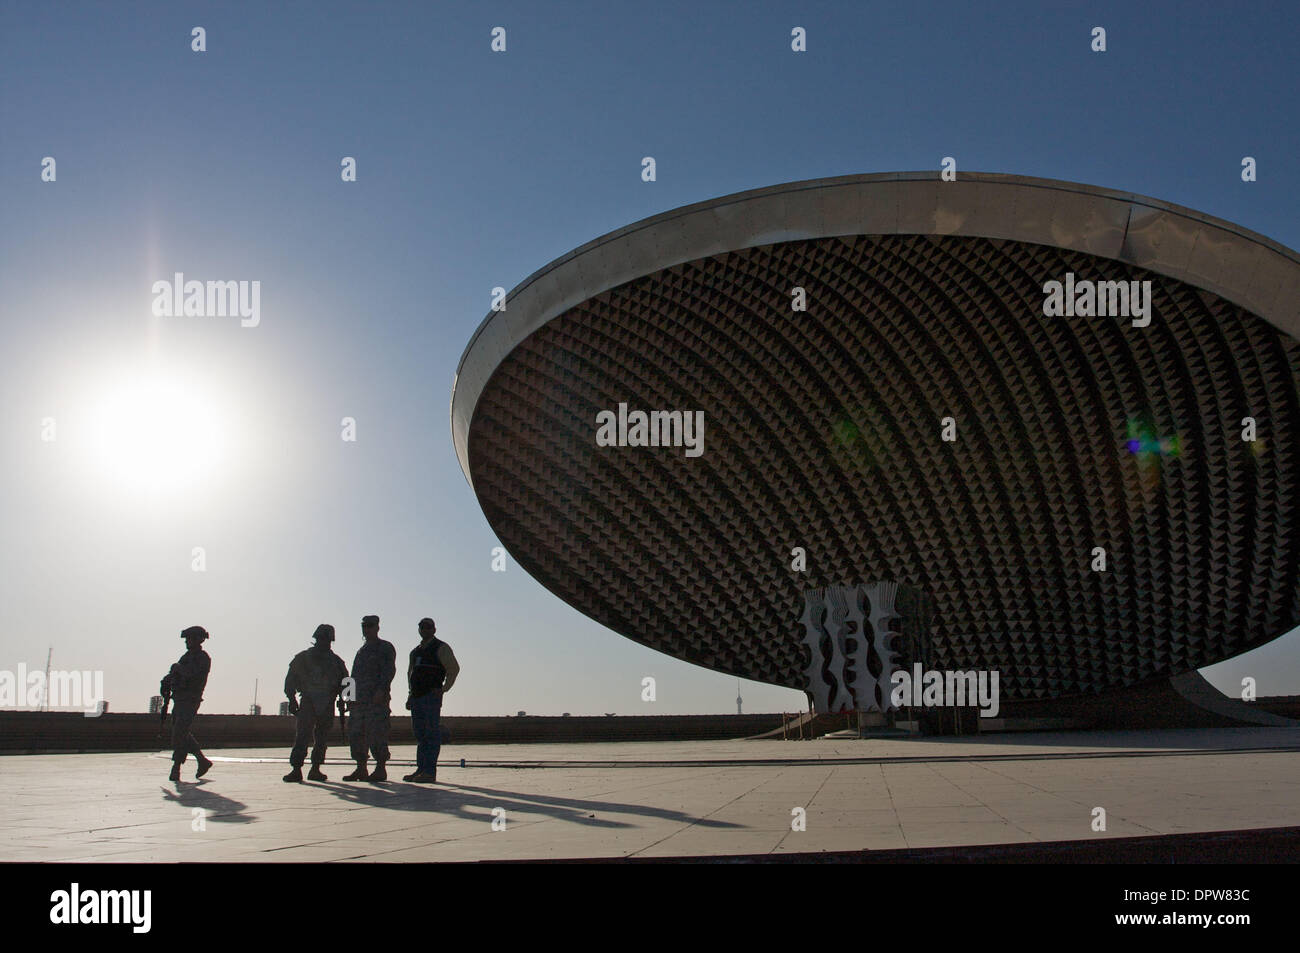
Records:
x=654, y=799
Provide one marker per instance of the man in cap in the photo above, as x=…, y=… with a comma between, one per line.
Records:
x=184, y=685
x=429, y=676
x=318, y=674
x=372, y=679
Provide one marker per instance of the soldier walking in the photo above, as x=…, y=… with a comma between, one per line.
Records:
x=318, y=674
x=372, y=679
x=183, y=687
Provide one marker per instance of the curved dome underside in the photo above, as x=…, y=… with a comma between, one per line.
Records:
x=822, y=431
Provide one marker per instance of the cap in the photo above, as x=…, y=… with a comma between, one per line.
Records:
x=198, y=630
x=370, y=620
x=324, y=631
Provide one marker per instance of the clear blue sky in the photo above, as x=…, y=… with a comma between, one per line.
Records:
x=474, y=169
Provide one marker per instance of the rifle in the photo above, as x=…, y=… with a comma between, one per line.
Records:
x=165, y=690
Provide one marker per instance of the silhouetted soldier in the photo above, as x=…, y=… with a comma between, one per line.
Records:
x=430, y=675
x=372, y=679
x=184, y=685
x=318, y=674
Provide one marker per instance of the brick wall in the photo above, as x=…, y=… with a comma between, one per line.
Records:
x=33, y=731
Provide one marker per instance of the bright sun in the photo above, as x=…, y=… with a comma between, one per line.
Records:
x=157, y=435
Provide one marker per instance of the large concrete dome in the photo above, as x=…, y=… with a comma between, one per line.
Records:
x=823, y=428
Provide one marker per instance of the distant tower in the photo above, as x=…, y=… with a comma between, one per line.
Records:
x=45, y=705
x=256, y=709
x=739, y=702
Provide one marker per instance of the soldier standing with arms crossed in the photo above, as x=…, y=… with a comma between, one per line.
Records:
x=318, y=674
x=183, y=686
x=372, y=678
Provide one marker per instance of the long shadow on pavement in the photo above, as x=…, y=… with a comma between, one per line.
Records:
x=217, y=807
x=459, y=801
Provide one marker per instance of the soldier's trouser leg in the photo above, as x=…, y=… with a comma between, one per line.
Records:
x=377, y=725
x=182, y=738
x=324, y=710
x=357, y=719
x=302, y=737
x=428, y=739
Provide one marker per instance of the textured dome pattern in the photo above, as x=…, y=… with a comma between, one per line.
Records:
x=823, y=432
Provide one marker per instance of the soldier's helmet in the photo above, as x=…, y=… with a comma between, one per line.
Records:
x=324, y=633
x=195, y=630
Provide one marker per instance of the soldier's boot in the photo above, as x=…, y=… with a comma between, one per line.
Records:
x=176, y=772
x=315, y=774
x=360, y=774
x=379, y=774
x=295, y=775
x=204, y=764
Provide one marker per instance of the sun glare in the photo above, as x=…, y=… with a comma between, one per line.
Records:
x=157, y=435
